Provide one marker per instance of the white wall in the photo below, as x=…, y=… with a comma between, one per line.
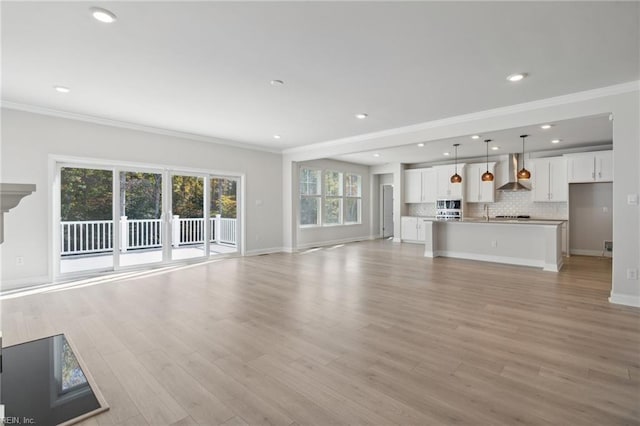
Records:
x=322, y=235
x=591, y=217
x=28, y=139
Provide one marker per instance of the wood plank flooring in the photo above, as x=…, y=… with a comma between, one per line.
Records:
x=367, y=333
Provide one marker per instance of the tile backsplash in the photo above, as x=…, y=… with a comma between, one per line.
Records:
x=506, y=204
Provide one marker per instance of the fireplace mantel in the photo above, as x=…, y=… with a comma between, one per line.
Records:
x=11, y=194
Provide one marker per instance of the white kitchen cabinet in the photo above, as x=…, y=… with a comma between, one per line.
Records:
x=429, y=193
x=549, y=179
x=412, y=229
x=413, y=186
x=444, y=187
x=478, y=191
x=419, y=186
x=590, y=167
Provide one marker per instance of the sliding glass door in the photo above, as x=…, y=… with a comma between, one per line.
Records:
x=188, y=226
x=115, y=217
x=140, y=203
x=86, y=228
x=223, y=212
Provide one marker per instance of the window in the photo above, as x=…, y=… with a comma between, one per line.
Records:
x=353, y=198
x=333, y=198
x=310, y=196
x=329, y=198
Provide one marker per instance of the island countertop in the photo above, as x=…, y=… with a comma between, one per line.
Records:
x=526, y=242
x=493, y=221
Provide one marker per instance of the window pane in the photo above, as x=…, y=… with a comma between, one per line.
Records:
x=332, y=211
x=310, y=182
x=223, y=198
x=333, y=183
x=309, y=211
x=352, y=213
x=353, y=184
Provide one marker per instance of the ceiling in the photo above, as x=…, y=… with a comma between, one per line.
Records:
x=205, y=67
x=572, y=134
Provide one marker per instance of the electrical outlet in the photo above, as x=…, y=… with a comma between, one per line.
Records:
x=19, y=260
x=632, y=274
x=608, y=246
x=494, y=243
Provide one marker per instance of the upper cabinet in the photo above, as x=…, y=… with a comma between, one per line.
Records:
x=549, y=179
x=478, y=191
x=413, y=186
x=590, y=167
x=419, y=186
x=443, y=186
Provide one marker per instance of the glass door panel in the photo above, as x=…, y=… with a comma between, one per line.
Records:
x=188, y=228
x=140, y=227
x=223, y=210
x=86, y=219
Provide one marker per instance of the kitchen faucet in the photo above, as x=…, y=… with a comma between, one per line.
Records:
x=485, y=211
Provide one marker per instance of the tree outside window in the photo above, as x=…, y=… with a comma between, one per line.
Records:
x=353, y=198
x=310, y=196
x=333, y=197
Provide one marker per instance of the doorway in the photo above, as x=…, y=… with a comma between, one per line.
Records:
x=387, y=211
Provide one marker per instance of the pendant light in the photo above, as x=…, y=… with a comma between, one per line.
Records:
x=456, y=178
x=523, y=173
x=487, y=176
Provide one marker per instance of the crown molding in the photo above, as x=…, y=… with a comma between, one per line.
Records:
x=131, y=126
x=586, y=95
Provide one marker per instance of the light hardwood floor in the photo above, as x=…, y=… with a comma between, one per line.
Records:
x=367, y=333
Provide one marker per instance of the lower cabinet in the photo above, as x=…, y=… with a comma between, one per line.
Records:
x=412, y=229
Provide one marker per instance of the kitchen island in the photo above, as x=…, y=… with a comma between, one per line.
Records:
x=534, y=243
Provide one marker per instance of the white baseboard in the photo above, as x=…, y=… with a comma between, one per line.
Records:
x=595, y=253
x=624, y=299
x=333, y=242
x=270, y=250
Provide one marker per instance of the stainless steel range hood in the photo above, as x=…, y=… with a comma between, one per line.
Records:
x=513, y=184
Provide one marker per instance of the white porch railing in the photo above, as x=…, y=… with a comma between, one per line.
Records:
x=80, y=237
x=96, y=236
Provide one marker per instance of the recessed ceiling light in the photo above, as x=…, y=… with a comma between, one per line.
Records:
x=516, y=77
x=546, y=126
x=376, y=155
x=495, y=148
x=62, y=89
x=362, y=115
x=276, y=82
x=420, y=144
x=276, y=136
x=103, y=15
x=556, y=140
x=446, y=154
x=475, y=137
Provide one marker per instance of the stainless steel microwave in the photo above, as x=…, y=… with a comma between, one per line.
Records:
x=449, y=204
